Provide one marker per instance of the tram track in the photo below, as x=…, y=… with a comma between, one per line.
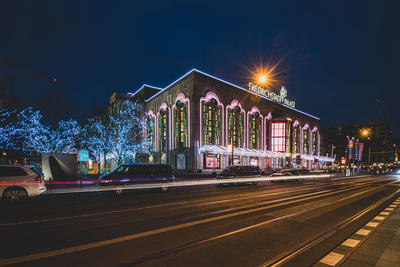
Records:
x=254, y=212
x=314, y=241
x=282, y=257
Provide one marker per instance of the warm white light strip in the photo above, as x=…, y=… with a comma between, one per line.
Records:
x=231, y=84
x=144, y=85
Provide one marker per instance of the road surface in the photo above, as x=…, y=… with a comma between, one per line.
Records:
x=289, y=224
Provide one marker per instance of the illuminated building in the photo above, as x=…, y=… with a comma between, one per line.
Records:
x=193, y=121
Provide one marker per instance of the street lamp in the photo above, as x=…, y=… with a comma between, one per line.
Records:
x=262, y=79
x=365, y=133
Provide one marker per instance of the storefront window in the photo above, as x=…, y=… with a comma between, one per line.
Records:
x=235, y=127
x=278, y=136
x=253, y=161
x=181, y=125
x=162, y=130
x=212, y=161
x=255, y=131
x=212, y=114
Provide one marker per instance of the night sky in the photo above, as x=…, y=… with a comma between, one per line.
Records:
x=58, y=39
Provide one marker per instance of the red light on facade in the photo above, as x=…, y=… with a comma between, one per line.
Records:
x=278, y=136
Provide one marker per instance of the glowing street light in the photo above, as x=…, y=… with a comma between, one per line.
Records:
x=262, y=79
x=365, y=132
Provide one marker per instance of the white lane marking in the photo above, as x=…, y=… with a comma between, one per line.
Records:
x=354, y=177
x=385, y=213
x=389, y=209
x=379, y=218
x=332, y=258
x=280, y=193
x=92, y=214
x=393, y=206
x=363, y=232
x=78, y=248
x=176, y=203
x=372, y=224
x=262, y=195
x=351, y=243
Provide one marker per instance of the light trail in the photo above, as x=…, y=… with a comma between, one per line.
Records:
x=237, y=231
x=191, y=204
x=78, y=248
x=185, y=183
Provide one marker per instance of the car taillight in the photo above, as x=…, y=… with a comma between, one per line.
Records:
x=39, y=179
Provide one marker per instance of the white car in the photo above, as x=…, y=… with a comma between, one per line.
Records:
x=20, y=182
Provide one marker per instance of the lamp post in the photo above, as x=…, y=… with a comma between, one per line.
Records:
x=365, y=133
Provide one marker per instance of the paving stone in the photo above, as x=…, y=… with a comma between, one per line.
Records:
x=365, y=258
x=384, y=263
x=391, y=255
x=354, y=263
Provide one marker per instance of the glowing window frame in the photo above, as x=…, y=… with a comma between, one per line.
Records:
x=281, y=131
x=207, y=98
x=184, y=100
x=235, y=103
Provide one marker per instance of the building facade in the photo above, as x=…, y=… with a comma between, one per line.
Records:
x=379, y=144
x=201, y=122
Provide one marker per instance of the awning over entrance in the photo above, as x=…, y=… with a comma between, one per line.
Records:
x=222, y=150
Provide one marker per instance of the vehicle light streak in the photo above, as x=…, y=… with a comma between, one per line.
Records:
x=190, y=204
x=63, y=251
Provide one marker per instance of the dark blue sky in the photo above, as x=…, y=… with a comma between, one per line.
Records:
x=221, y=38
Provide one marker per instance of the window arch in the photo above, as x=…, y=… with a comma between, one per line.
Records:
x=255, y=130
x=314, y=141
x=296, y=139
x=151, y=132
x=236, y=126
x=212, y=122
x=306, y=139
x=162, y=130
x=181, y=124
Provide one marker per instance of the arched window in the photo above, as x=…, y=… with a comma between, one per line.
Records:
x=306, y=141
x=212, y=116
x=235, y=127
x=314, y=143
x=181, y=124
x=289, y=129
x=162, y=130
x=296, y=139
x=255, y=131
x=151, y=133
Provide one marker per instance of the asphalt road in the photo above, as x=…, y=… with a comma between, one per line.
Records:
x=291, y=224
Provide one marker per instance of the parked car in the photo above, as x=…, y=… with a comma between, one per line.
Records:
x=290, y=172
x=133, y=173
x=231, y=172
x=18, y=183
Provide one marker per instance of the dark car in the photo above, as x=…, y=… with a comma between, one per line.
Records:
x=231, y=172
x=132, y=173
x=290, y=172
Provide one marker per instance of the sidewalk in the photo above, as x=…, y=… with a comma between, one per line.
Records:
x=377, y=243
x=382, y=248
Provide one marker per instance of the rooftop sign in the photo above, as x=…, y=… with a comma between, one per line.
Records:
x=281, y=98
